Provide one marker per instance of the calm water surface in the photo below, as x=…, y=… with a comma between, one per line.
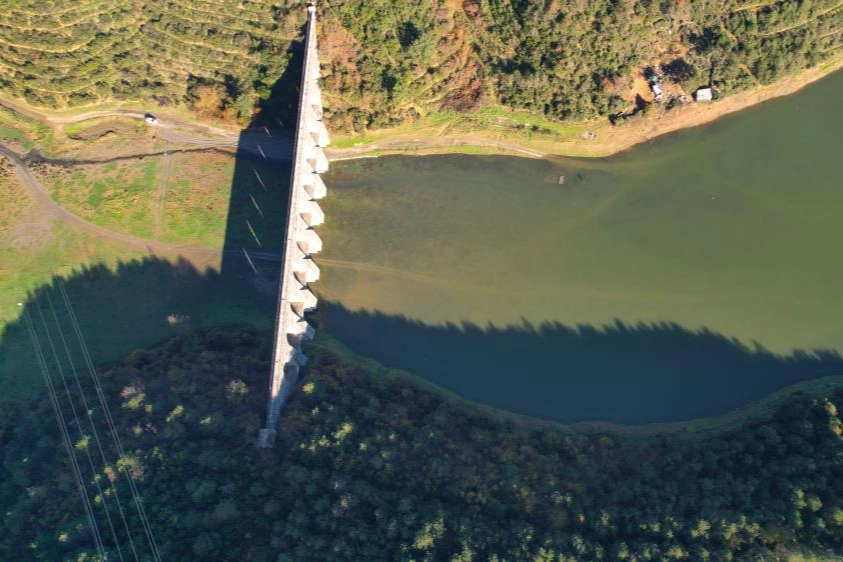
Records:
x=680, y=279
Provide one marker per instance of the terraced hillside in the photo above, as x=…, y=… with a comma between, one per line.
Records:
x=389, y=61
x=68, y=53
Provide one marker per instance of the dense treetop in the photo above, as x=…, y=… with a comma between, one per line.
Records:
x=68, y=53
x=372, y=465
x=387, y=61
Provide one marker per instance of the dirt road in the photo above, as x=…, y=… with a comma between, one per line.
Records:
x=42, y=196
x=193, y=253
x=260, y=142
x=408, y=145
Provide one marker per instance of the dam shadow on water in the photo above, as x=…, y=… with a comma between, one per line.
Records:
x=621, y=373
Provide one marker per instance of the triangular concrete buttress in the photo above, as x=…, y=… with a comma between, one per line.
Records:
x=299, y=269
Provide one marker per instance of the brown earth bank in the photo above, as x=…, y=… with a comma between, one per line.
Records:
x=596, y=138
x=607, y=139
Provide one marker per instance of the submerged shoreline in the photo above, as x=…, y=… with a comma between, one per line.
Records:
x=610, y=140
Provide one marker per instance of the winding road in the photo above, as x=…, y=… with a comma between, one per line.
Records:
x=263, y=143
x=34, y=187
x=257, y=142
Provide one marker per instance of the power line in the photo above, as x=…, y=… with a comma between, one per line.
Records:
x=79, y=427
x=94, y=431
x=150, y=535
x=65, y=434
x=89, y=513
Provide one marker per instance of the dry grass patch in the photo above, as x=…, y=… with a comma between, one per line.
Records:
x=196, y=203
x=117, y=195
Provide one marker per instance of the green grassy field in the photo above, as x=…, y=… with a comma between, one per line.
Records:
x=13, y=200
x=23, y=130
x=196, y=203
x=10, y=133
x=118, y=195
x=182, y=201
x=124, y=298
x=80, y=128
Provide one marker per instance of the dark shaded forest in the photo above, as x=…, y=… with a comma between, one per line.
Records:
x=372, y=465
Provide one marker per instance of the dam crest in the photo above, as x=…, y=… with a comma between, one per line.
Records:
x=301, y=241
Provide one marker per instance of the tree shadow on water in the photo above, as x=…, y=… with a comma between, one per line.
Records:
x=628, y=374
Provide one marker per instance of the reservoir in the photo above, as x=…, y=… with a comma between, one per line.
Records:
x=681, y=279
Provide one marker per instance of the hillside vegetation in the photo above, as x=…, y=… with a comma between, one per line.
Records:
x=388, y=61
x=68, y=53
x=370, y=465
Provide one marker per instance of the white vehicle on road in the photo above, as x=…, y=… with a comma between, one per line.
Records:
x=149, y=118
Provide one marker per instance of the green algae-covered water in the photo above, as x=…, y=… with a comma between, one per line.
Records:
x=680, y=279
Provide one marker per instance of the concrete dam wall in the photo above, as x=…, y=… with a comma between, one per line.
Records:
x=301, y=241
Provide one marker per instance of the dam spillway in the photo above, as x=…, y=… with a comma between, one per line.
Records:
x=301, y=241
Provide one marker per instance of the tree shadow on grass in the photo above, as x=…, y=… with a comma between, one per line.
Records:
x=145, y=301
x=137, y=304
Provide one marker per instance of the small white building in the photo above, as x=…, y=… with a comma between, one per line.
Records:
x=657, y=91
x=703, y=94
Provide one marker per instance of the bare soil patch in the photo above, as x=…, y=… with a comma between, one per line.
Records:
x=607, y=139
x=33, y=227
x=111, y=127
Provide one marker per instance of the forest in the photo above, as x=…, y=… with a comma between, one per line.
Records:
x=374, y=465
x=392, y=61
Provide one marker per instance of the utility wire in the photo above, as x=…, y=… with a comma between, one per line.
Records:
x=79, y=427
x=150, y=535
x=94, y=431
x=89, y=512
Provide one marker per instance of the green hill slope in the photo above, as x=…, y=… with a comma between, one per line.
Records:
x=387, y=61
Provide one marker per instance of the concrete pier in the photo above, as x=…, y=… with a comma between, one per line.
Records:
x=301, y=242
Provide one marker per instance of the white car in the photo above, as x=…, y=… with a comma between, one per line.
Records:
x=149, y=118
